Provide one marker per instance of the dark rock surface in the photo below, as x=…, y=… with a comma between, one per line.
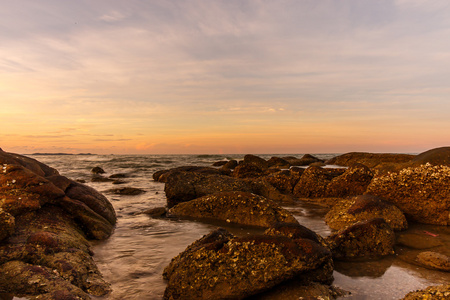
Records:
x=422, y=193
x=162, y=175
x=314, y=181
x=236, y=207
x=221, y=266
x=46, y=219
x=97, y=170
x=129, y=191
x=257, y=161
x=366, y=239
x=247, y=170
x=365, y=207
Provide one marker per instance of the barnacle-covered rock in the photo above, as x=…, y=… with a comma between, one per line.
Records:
x=439, y=292
x=235, y=207
x=422, y=193
x=247, y=170
x=365, y=239
x=352, y=182
x=45, y=220
x=365, y=207
x=285, y=180
x=371, y=160
x=220, y=266
x=314, y=181
x=257, y=161
x=295, y=231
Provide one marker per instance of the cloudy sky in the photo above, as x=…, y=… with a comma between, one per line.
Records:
x=224, y=76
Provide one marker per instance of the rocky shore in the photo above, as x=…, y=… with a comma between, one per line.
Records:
x=47, y=221
x=375, y=196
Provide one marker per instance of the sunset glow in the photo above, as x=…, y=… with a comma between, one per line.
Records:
x=224, y=76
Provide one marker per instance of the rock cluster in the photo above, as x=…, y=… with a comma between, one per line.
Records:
x=45, y=221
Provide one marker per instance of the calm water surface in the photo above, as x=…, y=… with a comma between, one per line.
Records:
x=134, y=257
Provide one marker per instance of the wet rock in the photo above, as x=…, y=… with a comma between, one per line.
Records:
x=440, y=292
x=47, y=218
x=370, y=160
x=421, y=193
x=186, y=186
x=129, y=191
x=119, y=175
x=297, y=289
x=99, y=178
x=365, y=207
x=257, y=161
x=434, y=260
x=97, y=170
x=219, y=163
x=352, y=182
x=247, y=170
x=220, y=266
x=365, y=239
x=235, y=207
x=418, y=240
x=156, y=212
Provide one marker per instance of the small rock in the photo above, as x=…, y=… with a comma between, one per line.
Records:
x=434, y=260
x=97, y=170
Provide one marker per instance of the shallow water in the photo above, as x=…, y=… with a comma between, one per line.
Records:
x=134, y=257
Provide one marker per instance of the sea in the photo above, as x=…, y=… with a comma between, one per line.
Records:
x=134, y=257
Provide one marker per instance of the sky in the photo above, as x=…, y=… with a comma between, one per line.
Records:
x=224, y=76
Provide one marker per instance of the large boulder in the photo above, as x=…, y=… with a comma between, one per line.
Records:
x=365, y=207
x=162, y=175
x=45, y=221
x=352, y=182
x=436, y=157
x=235, y=207
x=285, y=180
x=221, y=266
x=422, y=193
x=247, y=170
x=186, y=186
x=363, y=240
x=305, y=160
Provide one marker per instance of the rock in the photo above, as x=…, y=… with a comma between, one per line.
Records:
x=421, y=193
x=296, y=289
x=119, y=175
x=365, y=239
x=45, y=219
x=185, y=186
x=129, y=191
x=306, y=160
x=436, y=157
x=440, y=292
x=7, y=224
x=415, y=240
x=434, y=260
x=219, y=163
x=314, y=181
x=236, y=207
x=257, y=161
x=97, y=170
x=156, y=212
x=284, y=181
x=162, y=175
x=221, y=266
x=353, y=182
x=99, y=178
x=230, y=165
x=247, y=170
x=365, y=207
x=370, y=160
x=295, y=231
x=278, y=162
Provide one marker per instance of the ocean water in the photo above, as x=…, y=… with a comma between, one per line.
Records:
x=134, y=257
